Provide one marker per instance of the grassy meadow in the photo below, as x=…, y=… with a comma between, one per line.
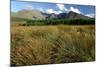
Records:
x=32, y=45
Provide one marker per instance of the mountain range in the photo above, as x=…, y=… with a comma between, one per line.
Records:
x=38, y=15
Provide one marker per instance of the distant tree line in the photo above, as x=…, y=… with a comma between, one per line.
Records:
x=60, y=21
x=57, y=22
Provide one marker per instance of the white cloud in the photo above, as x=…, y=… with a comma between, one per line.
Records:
x=50, y=11
x=62, y=9
x=92, y=15
x=53, y=11
x=61, y=6
x=58, y=12
x=75, y=10
x=41, y=9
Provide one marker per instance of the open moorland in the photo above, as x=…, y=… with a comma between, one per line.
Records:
x=32, y=45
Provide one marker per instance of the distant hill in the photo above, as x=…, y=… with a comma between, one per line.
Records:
x=28, y=14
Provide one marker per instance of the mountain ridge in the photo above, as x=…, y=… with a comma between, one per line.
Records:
x=38, y=15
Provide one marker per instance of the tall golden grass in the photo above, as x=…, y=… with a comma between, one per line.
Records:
x=32, y=45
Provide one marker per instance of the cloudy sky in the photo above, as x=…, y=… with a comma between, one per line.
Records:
x=53, y=8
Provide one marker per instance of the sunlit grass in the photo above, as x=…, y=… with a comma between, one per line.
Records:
x=31, y=45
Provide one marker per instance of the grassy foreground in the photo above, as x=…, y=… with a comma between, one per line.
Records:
x=32, y=45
